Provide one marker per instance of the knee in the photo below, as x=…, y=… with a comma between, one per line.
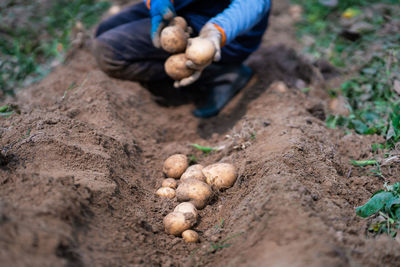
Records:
x=107, y=59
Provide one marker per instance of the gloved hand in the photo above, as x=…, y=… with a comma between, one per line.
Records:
x=161, y=12
x=213, y=34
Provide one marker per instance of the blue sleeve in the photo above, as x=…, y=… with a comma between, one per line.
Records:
x=241, y=16
x=178, y=4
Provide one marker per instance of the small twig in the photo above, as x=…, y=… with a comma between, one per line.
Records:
x=349, y=172
x=390, y=160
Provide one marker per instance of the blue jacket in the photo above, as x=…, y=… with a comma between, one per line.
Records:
x=243, y=22
x=239, y=17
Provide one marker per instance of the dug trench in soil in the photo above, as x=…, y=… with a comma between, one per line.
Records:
x=79, y=169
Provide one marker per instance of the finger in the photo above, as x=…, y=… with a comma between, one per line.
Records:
x=217, y=56
x=168, y=14
x=189, y=80
x=157, y=25
x=189, y=30
x=192, y=65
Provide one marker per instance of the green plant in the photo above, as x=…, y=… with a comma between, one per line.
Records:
x=372, y=58
x=32, y=40
x=204, y=148
x=216, y=246
x=220, y=225
x=8, y=110
x=374, y=105
x=377, y=171
x=361, y=163
x=385, y=206
x=192, y=159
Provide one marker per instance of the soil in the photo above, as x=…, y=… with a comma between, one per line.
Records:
x=79, y=169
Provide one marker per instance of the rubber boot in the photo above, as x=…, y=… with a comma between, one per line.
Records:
x=221, y=83
x=165, y=94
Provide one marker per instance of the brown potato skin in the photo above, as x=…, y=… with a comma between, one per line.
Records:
x=166, y=192
x=175, y=67
x=175, y=166
x=200, y=51
x=220, y=175
x=169, y=182
x=196, y=192
x=176, y=222
x=195, y=172
x=190, y=236
x=174, y=39
x=187, y=207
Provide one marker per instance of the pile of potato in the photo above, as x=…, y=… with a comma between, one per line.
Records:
x=195, y=189
x=175, y=40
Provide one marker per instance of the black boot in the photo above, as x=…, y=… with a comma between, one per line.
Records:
x=165, y=94
x=222, y=83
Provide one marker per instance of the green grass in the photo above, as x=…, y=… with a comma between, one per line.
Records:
x=373, y=104
x=373, y=59
x=32, y=35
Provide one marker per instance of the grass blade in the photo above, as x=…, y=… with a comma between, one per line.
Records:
x=205, y=149
x=5, y=114
x=363, y=162
x=3, y=108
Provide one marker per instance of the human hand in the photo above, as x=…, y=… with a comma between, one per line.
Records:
x=161, y=13
x=209, y=36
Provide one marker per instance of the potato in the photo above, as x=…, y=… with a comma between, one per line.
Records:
x=179, y=21
x=174, y=39
x=195, y=172
x=175, y=166
x=196, y=192
x=176, y=68
x=169, y=182
x=176, y=222
x=190, y=236
x=220, y=175
x=186, y=207
x=166, y=192
x=200, y=51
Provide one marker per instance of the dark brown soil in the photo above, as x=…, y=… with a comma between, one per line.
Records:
x=79, y=169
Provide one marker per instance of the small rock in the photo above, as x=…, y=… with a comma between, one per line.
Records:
x=279, y=87
x=114, y=10
x=300, y=84
x=314, y=197
x=338, y=106
x=339, y=236
x=214, y=238
x=361, y=27
x=296, y=11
